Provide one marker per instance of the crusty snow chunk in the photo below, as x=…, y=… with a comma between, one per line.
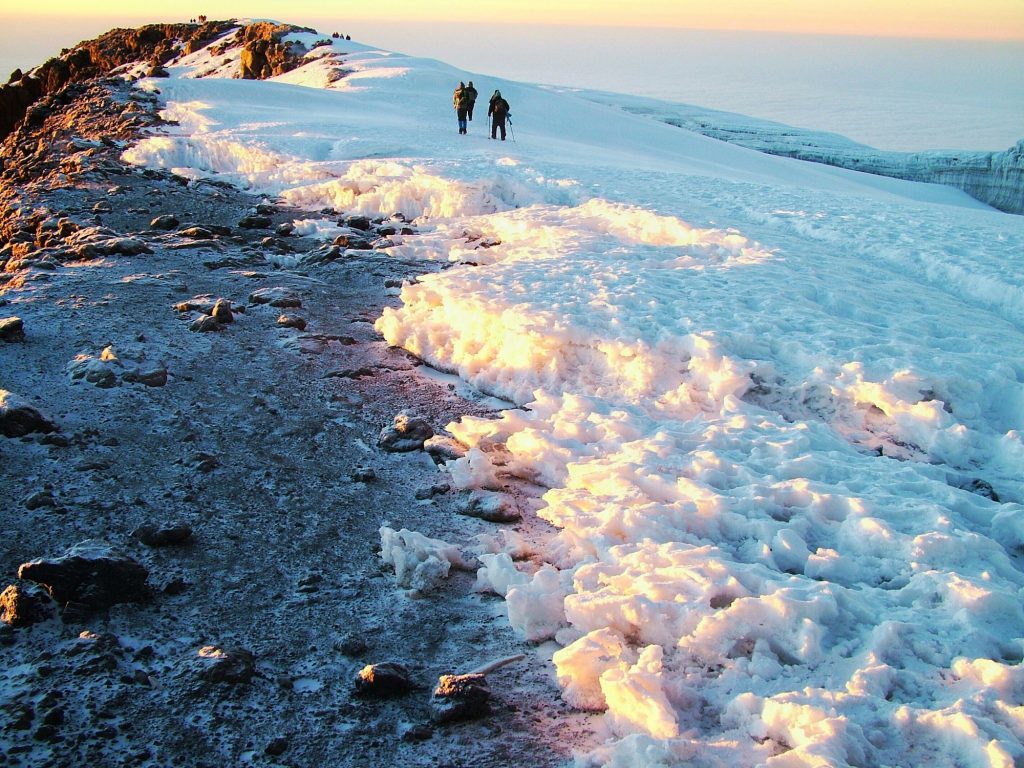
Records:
x=420, y=562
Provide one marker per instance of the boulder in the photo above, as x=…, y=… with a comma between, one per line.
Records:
x=18, y=418
x=255, y=222
x=91, y=576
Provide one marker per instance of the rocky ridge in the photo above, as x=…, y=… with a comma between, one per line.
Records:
x=196, y=477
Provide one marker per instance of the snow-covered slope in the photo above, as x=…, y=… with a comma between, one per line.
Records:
x=995, y=178
x=773, y=410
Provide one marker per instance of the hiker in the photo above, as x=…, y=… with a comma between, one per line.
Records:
x=471, y=94
x=461, y=101
x=498, y=111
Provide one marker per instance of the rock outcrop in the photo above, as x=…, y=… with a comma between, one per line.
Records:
x=265, y=54
x=153, y=43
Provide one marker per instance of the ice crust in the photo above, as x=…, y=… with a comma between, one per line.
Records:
x=754, y=393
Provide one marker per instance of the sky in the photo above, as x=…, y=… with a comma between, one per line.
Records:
x=995, y=19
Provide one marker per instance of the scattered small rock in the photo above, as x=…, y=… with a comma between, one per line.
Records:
x=407, y=433
x=292, y=321
x=353, y=242
x=222, y=313
x=275, y=297
x=383, y=680
x=489, y=506
x=254, y=222
x=12, y=330
x=175, y=586
x=277, y=747
x=196, y=233
x=40, y=499
x=205, y=324
x=99, y=371
x=418, y=732
x=351, y=645
x=151, y=377
x=443, y=448
x=102, y=207
x=167, y=221
x=163, y=535
x=460, y=697
x=220, y=665
x=363, y=475
x=437, y=489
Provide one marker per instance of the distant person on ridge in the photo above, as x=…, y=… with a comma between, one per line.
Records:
x=498, y=111
x=471, y=93
x=461, y=101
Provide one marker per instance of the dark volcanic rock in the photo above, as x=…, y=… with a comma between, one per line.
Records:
x=91, y=575
x=292, y=321
x=12, y=329
x=221, y=312
x=383, y=680
x=167, y=221
x=407, y=433
x=205, y=324
x=163, y=535
x=24, y=604
x=275, y=297
x=460, y=697
x=18, y=418
x=225, y=665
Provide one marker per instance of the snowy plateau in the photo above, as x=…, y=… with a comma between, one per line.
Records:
x=763, y=419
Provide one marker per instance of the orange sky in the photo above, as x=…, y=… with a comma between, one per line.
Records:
x=995, y=19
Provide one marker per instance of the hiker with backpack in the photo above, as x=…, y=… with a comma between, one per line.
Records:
x=498, y=111
x=471, y=94
x=460, y=99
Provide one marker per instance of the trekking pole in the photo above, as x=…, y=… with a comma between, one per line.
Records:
x=510, y=131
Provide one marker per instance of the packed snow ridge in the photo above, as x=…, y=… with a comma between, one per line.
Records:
x=773, y=411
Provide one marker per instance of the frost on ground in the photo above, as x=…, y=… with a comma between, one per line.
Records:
x=772, y=412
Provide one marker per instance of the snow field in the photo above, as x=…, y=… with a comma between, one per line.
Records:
x=756, y=432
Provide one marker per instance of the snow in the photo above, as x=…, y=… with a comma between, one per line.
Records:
x=753, y=396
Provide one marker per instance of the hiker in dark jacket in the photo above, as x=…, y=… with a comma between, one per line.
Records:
x=461, y=102
x=471, y=94
x=498, y=111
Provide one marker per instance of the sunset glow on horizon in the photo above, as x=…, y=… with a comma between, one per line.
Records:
x=974, y=19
